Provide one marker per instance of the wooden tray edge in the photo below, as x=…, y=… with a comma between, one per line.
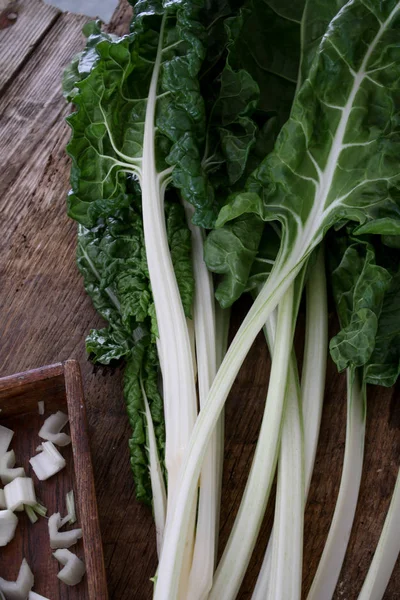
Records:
x=86, y=496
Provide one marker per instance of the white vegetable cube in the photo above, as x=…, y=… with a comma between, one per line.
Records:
x=52, y=427
x=19, y=492
x=7, y=471
x=35, y=596
x=48, y=462
x=8, y=525
x=6, y=436
x=74, y=569
x=18, y=590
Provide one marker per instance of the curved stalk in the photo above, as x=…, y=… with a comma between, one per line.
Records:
x=272, y=292
x=331, y=562
x=386, y=552
x=312, y=390
x=204, y=554
x=236, y=556
x=287, y=540
x=314, y=362
x=222, y=321
x=156, y=477
x=180, y=400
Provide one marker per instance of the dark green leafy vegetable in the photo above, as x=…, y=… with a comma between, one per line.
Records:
x=112, y=260
x=272, y=65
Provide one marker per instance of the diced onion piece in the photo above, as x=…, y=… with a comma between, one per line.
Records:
x=18, y=590
x=39, y=448
x=2, y=500
x=74, y=569
x=70, y=502
x=7, y=471
x=62, y=539
x=48, y=462
x=51, y=429
x=35, y=596
x=32, y=516
x=20, y=492
x=8, y=525
x=41, y=409
x=6, y=436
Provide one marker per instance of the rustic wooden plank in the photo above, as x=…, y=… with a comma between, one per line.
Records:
x=48, y=316
x=23, y=24
x=33, y=103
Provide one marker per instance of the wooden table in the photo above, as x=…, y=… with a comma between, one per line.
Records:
x=45, y=315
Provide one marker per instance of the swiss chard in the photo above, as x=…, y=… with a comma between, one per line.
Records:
x=335, y=159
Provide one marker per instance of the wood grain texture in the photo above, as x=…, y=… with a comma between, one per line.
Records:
x=86, y=500
x=60, y=387
x=45, y=315
x=23, y=24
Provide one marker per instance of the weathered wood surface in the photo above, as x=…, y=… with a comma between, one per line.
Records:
x=59, y=386
x=45, y=316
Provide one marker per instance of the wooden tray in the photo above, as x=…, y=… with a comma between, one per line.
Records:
x=60, y=387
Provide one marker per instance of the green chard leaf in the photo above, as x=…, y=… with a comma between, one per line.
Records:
x=112, y=261
x=142, y=368
x=383, y=367
x=367, y=297
x=336, y=158
x=266, y=68
x=359, y=286
x=108, y=127
x=179, y=239
x=83, y=62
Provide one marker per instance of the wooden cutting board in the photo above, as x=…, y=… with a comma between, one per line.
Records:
x=45, y=315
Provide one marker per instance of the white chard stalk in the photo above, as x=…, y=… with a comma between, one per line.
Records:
x=20, y=492
x=73, y=568
x=6, y=435
x=8, y=471
x=179, y=390
x=330, y=565
x=204, y=555
x=312, y=390
x=62, y=539
x=8, y=525
x=240, y=545
x=386, y=553
x=51, y=429
x=18, y=590
x=156, y=476
x=287, y=545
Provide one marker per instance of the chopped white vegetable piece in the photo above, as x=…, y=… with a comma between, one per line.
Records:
x=2, y=500
x=6, y=436
x=18, y=590
x=20, y=492
x=62, y=539
x=39, y=448
x=74, y=569
x=51, y=429
x=41, y=407
x=35, y=596
x=40, y=509
x=70, y=502
x=48, y=462
x=7, y=471
x=32, y=516
x=8, y=525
